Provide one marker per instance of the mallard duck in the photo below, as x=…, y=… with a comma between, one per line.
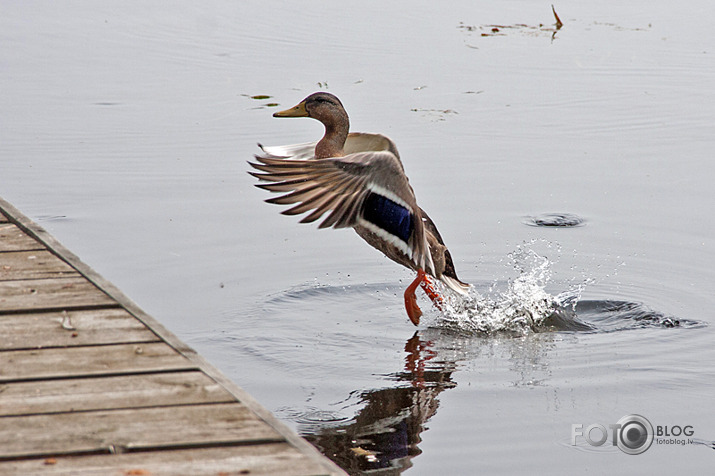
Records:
x=359, y=178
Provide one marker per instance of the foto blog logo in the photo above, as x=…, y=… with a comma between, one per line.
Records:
x=632, y=434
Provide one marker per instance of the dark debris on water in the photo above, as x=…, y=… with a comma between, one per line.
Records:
x=498, y=30
x=558, y=220
x=262, y=97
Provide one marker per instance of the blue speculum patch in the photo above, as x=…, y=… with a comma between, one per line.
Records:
x=388, y=215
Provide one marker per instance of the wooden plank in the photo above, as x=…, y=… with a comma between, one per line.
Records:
x=13, y=238
x=90, y=361
x=71, y=328
x=38, y=264
x=256, y=460
x=104, y=393
x=132, y=430
x=49, y=294
x=3, y=218
x=117, y=361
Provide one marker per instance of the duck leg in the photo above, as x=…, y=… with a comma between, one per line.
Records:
x=413, y=310
x=431, y=292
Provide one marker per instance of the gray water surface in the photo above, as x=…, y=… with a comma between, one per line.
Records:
x=125, y=131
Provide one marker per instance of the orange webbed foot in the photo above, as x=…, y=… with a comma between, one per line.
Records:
x=413, y=310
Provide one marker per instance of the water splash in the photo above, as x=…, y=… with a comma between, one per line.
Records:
x=524, y=306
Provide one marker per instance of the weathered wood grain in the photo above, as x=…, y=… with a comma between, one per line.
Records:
x=258, y=460
x=105, y=393
x=71, y=328
x=38, y=264
x=132, y=429
x=90, y=361
x=84, y=370
x=13, y=238
x=48, y=294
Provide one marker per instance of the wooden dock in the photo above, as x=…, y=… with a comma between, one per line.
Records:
x=92, y=385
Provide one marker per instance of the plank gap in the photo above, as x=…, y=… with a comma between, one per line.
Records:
x=39, y=248
x=119, y=450
x=58, y=275
x=121, y=409
x=215, y=444
x=80, y=346
x=188, y=368
x=89, y=307
x=37, y=456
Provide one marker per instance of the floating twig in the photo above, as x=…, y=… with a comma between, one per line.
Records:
x=559, y=23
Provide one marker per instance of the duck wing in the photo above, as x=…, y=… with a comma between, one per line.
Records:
x=368, y=189
x=305, y=150
x=369, y=141
x=356, y=142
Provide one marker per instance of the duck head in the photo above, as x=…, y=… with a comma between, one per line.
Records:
x=327, y=109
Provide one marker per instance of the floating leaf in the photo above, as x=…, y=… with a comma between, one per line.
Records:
x=261, y=96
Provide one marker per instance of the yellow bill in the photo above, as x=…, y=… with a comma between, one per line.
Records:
x=296, y=111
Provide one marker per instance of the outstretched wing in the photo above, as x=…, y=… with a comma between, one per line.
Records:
x=368, y=189
x=356, y=142
x=304, y=150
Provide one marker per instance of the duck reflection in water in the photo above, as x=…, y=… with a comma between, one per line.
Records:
x=385, y=434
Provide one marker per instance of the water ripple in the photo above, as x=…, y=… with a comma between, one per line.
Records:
x=517, y=306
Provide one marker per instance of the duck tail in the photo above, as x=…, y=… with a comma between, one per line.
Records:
x=456, y=285
x=450, y=279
